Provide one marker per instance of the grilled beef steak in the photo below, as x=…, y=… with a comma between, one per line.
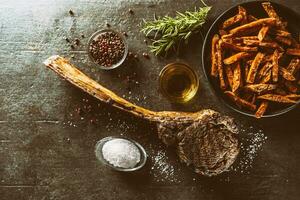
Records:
x=205, y=140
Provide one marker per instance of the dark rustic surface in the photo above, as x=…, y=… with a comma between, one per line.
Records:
x=47, y=147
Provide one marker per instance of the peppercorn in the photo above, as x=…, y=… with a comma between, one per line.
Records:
x=146, y=55
x=131, y=11
x=71, y=12
x=107, y=49
x=130, y=54
x=77, y=41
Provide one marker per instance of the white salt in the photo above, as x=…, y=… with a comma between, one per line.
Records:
x=121, y=153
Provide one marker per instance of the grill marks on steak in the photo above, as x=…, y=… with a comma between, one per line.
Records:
x=168, y=128
x=210, y=152
x=209, y=145
x=207, y=141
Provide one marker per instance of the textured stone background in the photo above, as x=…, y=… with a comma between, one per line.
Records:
x=47, y=148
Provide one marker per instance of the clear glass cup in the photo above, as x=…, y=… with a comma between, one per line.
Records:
x=178, y=82
x=95, y=35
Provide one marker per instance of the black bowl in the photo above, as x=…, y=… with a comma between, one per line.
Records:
x=254, y=8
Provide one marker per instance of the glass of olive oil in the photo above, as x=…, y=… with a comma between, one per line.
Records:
x=178, y=82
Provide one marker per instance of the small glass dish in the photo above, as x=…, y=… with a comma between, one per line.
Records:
x=178, y=82
x=99, y=154
x=95, y=35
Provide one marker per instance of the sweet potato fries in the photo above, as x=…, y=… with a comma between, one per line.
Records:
x=257, y=61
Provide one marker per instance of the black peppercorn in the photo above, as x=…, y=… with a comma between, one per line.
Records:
x=131, y=11
x=77, y=41
x=71, y=12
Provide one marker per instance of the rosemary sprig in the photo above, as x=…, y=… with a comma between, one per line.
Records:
x=170, y=32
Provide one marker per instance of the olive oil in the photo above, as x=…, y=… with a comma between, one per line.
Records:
x=178, y=82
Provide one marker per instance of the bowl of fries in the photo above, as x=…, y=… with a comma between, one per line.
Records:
x=251, y=57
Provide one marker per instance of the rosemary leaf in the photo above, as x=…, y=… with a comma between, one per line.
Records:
x=170, y=32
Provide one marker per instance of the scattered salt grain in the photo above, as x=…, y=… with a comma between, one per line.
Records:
x=163, y=169
x=121, y=153
x=252, y=142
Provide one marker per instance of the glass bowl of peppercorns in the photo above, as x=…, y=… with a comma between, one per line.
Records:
x=107, y=48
